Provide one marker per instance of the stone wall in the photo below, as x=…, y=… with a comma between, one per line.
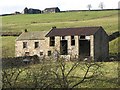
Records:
x=72, y=50
x=20, y=51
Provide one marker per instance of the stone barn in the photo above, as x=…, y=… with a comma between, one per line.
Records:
x=31, y=11
x=79, y=42
x=51, y=10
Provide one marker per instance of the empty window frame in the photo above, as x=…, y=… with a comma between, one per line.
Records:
x=41, y=53
x=36, y=44
x=63, y=37
x=82, y=37
x=52, y=41
x=49, y=53
x=72, y=40
x=64, y=47
x=27, y=53
x=24, y=44
x=72, y=37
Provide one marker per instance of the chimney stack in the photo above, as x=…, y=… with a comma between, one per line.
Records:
x=26, y=30
x=53, y=27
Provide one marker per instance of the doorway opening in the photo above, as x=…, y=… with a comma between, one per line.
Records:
x=63, y=47
x=84, y=48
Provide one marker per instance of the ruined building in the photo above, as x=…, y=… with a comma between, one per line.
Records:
x=79, y=42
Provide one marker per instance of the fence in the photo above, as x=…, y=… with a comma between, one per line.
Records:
x=19, y=61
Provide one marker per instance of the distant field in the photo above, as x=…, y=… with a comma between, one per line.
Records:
x=8, y=46
x=38, y=22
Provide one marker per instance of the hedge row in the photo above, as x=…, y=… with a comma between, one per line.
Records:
x=19, y=61
x=114, y=35
x=10, y=33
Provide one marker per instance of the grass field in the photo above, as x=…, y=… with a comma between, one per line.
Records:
x=8, y=46
x=107, y=76
x=38, y=22
x=108, y=80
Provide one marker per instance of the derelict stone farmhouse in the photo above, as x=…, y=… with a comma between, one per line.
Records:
x=67, y=42
x=51, y=10
x=37, y=11
x=31, y=11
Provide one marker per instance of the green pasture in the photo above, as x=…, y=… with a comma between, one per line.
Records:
x=106, y=76
x=8, y=46
x=108, y=79
x=36, y=22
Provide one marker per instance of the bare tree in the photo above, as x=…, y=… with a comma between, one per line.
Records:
x=11, y=76
x=64, y=77
x=101, y=5
x=50, y=73
x=89, y=6
x=39, y=78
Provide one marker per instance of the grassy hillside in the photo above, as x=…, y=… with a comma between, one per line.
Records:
x=33, y=22
x=8, y=46
x=37, y=22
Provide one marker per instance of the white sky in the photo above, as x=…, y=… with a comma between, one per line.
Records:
x=10, y=6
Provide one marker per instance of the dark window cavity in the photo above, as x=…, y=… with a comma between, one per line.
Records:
x=26, y=53
x=63, y=37
x=82, y=37
x=49, y=53
x=72, y=37
x=63, y=47
x=52, y=41
x=72, y=40
x=36, y=44
x=41, y=53
x=24, y=44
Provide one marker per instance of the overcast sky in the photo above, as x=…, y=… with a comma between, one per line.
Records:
x=10, y=6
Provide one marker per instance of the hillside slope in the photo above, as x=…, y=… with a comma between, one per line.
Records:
x=35, y=22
